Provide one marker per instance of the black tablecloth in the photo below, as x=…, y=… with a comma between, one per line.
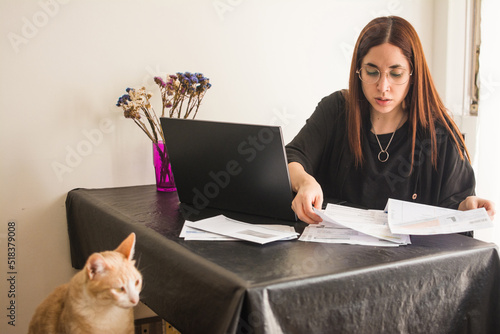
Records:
x=438, y=284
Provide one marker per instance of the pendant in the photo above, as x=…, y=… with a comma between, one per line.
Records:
x=380, y=156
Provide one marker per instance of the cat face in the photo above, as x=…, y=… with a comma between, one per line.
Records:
x=125, y=291
x=113, y=277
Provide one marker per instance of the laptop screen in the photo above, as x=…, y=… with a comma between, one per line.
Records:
x=229, y=166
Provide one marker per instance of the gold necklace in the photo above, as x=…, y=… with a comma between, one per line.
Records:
x=382, y=150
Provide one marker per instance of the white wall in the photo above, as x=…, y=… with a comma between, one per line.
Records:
x=451, y=63
x=488, y=138
x=64, y=64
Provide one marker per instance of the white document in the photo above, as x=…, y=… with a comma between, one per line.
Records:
x=341, y=235
x=420, y=219
x=190, y=233
x=371, y=222
x=239, y=230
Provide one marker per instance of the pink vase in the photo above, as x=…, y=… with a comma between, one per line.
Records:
x=163, y=170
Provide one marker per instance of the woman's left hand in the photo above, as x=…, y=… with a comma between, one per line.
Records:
x=474, y=202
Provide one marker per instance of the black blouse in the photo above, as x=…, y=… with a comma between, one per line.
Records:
x=322, y=148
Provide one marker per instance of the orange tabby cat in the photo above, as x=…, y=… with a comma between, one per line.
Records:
x=98, y=299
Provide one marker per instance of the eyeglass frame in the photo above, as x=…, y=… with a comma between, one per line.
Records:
x=358, y=72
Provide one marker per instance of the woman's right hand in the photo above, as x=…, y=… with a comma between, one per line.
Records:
x=309, y=194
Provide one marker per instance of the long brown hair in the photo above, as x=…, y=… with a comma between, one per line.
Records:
x=423, y=102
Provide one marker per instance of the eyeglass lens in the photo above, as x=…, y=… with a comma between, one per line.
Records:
x=371, y=75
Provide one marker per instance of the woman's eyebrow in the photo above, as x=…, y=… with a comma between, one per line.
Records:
x=392, y=66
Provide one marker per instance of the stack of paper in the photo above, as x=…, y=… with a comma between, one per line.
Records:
x=223, y=228
x=341, y=235
x=392, y=227
x=343, y=224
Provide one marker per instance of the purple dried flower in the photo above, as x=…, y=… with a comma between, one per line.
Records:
x=159, y=81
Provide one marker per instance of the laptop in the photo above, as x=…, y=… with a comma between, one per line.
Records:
x=230, y=166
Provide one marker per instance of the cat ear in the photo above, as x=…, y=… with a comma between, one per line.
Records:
x=96, y=264
x=127, y=247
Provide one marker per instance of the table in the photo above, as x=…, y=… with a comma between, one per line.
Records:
x=439, y=284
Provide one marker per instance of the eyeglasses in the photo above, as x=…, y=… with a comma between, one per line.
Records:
x=371, y=75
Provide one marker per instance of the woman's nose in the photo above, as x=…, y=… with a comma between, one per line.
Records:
x=383, y=82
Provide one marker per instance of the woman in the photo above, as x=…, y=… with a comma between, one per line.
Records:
x=389, y=135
